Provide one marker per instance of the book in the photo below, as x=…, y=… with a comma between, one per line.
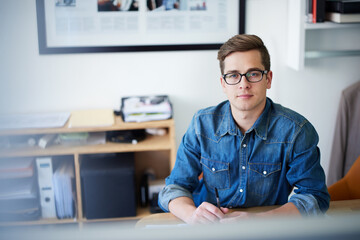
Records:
x=318, y=11
x=309, y=11
x=343, y=6
x=91, y=118
x=343, y=17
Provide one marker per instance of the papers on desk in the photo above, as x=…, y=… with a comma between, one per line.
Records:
x=63, y=189
x=41, y=120
x=146, y=108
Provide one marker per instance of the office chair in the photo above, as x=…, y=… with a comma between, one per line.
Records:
x=347, y=188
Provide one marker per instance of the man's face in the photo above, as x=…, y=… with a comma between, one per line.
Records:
x=246, y=97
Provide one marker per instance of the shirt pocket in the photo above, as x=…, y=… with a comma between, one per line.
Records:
x=216, y=173
x=263, y=178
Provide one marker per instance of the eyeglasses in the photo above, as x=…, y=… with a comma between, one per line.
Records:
x=252, y=76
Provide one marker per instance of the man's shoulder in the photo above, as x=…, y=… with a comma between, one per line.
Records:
x=213, y=111
x=208, y=121
x=280, y=112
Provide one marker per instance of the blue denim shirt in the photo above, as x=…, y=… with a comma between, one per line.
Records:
x=258, y=168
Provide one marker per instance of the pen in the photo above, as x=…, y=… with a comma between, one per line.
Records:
x=217, y=198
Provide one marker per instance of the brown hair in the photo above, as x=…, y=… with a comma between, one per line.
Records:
x=243, y=43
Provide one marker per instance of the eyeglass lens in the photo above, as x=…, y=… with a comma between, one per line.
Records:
x=252, y=76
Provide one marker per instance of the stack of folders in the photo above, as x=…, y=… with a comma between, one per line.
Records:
x=63, y=189
x=56, y=192
x=146, y=108
x=18, y=191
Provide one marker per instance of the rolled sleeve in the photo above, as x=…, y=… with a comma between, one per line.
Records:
x=306, y=204
x=171, y=192
x=306, y=174
x=183, y=179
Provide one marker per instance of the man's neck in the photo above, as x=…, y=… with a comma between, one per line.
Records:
x=246, y=119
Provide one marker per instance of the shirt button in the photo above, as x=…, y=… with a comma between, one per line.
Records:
x=264, y=172
x=241, y=190
x=213, y=169
x=244, y=145
x=243, y=167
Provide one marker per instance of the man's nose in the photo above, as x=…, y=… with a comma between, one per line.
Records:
x=244, y=83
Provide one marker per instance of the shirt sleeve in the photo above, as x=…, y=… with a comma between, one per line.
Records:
x=183, y=179
x=306, y=174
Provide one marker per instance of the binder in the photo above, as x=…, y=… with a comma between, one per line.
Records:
x=46, y=188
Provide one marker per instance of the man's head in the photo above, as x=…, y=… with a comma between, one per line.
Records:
x=243, y=43
x=246, y=74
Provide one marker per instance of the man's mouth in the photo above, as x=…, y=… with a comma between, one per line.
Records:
x=245, y=96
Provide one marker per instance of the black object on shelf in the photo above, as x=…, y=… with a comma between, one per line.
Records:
x=126, y=136
x=108, y=185
x=343, y=6
x=318, y=11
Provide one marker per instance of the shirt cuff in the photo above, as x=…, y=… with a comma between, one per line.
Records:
x=171, y=192
x=306, y=204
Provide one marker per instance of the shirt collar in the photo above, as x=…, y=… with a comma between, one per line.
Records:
x=229, y=126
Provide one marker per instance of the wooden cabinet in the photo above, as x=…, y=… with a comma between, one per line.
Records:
x=156, y=152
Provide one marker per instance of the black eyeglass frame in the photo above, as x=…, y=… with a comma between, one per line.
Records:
x=241, y=75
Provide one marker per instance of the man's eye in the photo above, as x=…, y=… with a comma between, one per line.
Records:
x=235, y=75
x=253, y=74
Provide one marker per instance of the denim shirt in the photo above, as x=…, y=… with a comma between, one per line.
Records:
x=258, y=168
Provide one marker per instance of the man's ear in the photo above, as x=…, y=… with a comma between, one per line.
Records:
x=269, y=77
x=223, y=84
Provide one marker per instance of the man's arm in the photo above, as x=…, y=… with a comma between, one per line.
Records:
x=288, y=209
x=184, y=208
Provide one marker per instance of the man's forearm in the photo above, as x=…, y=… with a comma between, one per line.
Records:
x=286, y=209
x=182, y=207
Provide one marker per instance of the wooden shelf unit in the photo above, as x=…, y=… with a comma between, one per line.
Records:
x=152, y=144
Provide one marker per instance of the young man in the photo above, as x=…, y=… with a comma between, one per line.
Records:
x=250, y=150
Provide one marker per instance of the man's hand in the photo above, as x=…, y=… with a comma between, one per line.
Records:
x=235, y=216
x=207, y=213
x=184, y=208
x=288, y=209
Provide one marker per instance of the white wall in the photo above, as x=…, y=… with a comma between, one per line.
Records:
x=33, y=83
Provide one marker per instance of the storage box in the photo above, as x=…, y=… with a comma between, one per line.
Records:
x=108, y=185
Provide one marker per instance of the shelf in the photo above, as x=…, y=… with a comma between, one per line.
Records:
x=151, y=143
x=330, y=25
x=119, y=125
x=325, y=54
x=156, y=152
x=327, y=37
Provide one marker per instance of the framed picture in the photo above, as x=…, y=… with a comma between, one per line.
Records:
x=84, y=26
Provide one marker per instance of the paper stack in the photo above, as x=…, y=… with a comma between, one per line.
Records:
x=146, y=108
x=91, y=118
x=63, y=189
x=18, y=191
x=40, y=120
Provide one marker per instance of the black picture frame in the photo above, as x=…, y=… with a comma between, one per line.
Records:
x=45, y=49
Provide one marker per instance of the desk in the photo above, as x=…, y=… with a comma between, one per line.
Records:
x=336, y=207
